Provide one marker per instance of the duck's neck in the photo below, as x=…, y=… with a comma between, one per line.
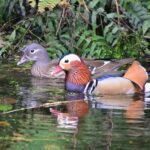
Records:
x=40, y=67
x=77, y=78
x=42, y=61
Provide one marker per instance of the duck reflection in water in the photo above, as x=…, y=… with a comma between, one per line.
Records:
x=135, y=111
x=38, y=91
x=76, y=108
x=79, y=105
x=133, y=106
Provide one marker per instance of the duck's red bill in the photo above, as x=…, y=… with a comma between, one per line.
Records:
x=57, y=70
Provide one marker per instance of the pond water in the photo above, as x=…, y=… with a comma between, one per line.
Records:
x=38, y=114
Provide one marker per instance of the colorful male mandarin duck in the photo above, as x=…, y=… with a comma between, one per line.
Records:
x=43, y=66
x=78, y=78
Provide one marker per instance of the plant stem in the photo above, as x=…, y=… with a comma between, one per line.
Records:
x=117, y=8
x=62, y=16
x=45, y=105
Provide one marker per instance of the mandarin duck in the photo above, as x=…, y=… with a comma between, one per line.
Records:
x=78, y=78
x=43, y=66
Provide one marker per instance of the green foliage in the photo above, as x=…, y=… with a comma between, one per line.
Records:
x=2, y=10
x=91, y=45
x=138, y=17
x=91, y=28
x=5, y=107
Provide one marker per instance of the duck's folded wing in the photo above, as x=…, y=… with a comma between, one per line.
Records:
x=110, y=67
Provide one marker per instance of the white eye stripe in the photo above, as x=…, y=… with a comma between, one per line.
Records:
x=70, y=57
x=33, y=51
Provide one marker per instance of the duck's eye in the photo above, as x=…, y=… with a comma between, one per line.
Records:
x=66, y=61
x=32, y=51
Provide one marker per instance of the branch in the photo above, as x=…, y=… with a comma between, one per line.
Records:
x=117, y=8
x=45, y=105
x=62, y=16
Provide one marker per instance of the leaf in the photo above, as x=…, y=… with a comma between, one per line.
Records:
x=2, y=43
x=107, y=28
x=87, y=43
x=146, y=26
x=22, y=8
x=12, y=36
x=81, y=39
x=93, y=47
x=47, y=4
x=114, y=42
x=4, y=107
x=111, y=15
x=42, y=4
x=93, y=3
x=4, y=124
x=109, y=37
x=100, y=10
x=32, y=3
x=115, y=30
x=94, y=15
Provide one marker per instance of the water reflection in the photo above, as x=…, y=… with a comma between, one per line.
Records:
x=135, y=111
x=75, y=109
x=133, y=106
x=128, y=108
x=40, y=91
x=78, y=106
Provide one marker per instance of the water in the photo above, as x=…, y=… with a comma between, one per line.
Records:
x=81, y=123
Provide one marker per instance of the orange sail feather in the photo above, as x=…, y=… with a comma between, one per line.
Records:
x=137, y=74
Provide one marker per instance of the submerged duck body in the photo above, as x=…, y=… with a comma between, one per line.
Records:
x=78, y=78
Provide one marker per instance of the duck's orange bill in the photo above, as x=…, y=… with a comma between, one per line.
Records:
x=57, y=70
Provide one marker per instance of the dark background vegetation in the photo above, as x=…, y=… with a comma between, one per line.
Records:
x=91, y=28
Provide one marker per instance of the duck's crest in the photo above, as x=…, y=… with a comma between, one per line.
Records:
x=137, y=74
